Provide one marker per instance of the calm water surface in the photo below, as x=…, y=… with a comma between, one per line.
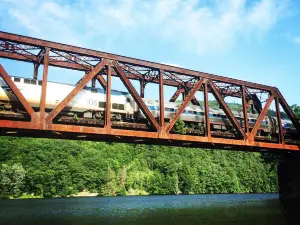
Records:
x=256, y=209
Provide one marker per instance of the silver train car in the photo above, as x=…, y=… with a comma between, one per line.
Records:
x=90, y=103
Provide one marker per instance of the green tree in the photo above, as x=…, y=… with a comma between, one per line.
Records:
x=12, y=180
x=296, y=110
x=179, y=126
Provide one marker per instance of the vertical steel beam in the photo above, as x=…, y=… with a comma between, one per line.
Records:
x=179, y=111
x=44, y=84
x=142, y=88
x=37, y=63
x=80, y=84
x=94, y=82
x=35, y=70
x=226, y=109
x=262, y=116
x=108, y=98
x=161, y=99
x=280, y=131
x=245, y=109
x=206, y=108
x=136, y=96
x=184, y=96
x=16, y=91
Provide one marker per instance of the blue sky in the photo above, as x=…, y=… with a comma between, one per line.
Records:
x=253, y=40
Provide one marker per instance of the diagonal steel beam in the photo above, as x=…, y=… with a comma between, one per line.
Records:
x=261, y=116
x=179, y=111
x=16, y=91
x=194, y=101
x=181, y=91
x=287, y=109
x=101, y=80
x=81, y=83
x=136, y=96
x=176, y=94
x=226, y=109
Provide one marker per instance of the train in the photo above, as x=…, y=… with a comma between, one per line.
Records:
x=90, y=103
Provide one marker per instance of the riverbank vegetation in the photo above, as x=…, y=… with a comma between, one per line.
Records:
x=49, y=168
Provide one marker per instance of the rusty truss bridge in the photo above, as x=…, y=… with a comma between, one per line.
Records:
x=99, y=67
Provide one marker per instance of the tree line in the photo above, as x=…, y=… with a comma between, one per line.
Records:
x=48, y=168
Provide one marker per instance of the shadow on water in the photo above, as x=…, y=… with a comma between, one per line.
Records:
x=193, y=209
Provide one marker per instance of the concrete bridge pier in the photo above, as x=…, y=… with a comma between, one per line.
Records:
x=288, y=171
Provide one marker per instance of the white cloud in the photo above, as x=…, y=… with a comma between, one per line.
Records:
x=189, y=25
x=172, y=64
x=296, y=40
x=291, y=38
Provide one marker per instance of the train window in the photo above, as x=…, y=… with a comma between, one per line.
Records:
x=202, y=113
x=102, y=104
x=118, y=106
x=128, y=99
x=223, y=117
x=211, y=115
x=115, y=106
x=121, y=107
x=16, y=79
x=33, y=82
x=40, y=82
x=27, y=81
x=94, y=90
x=194, y=112
x=190, y=112
x=172, y=110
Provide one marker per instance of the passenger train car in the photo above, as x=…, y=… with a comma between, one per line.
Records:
x=90, y=103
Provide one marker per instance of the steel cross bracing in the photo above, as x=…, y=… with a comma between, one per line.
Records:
x=96, y=64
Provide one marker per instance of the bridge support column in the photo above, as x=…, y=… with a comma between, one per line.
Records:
x=288, y=171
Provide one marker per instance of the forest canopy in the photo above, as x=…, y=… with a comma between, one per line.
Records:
x=48, y=168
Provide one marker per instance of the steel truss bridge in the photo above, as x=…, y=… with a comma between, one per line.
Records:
x=99, y=67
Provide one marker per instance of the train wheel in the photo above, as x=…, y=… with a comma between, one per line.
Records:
x=98, y=115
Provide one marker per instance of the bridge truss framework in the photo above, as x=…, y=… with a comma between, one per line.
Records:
x=96, y=64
